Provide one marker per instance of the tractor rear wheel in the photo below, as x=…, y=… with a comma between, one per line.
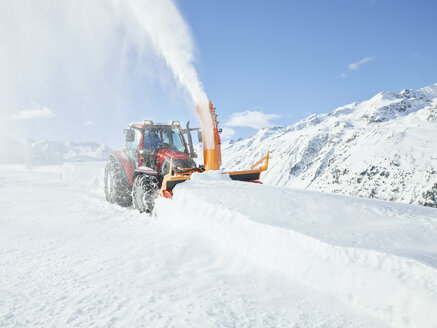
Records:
x=117, y=187
x=144, y=192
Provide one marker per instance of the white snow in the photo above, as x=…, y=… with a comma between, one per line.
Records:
x=361, y=251
x=219, y=254
x=45, y=152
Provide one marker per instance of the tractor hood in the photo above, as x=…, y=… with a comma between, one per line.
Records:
x=171, y=153
x=179, y=159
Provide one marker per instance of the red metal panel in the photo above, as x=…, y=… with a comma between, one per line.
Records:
x=171, y=153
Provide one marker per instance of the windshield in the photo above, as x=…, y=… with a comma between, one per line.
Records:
x=164, y=136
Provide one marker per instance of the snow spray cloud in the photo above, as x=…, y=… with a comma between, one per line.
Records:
x=171, y=38
x=74, y=57
x=62, y=55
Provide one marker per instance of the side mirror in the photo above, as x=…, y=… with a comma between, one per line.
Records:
x=130, y=135
x=199, y=136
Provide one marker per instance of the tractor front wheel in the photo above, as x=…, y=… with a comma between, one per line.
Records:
x=144, y=192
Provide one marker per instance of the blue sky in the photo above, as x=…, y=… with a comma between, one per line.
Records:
x=286, y=59
x=291, y=57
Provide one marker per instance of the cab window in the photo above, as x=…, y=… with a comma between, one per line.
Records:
x=173, y=137
x=131, y=146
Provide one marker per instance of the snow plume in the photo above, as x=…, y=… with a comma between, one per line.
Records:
x=171, y=38
x=58, y=55
x=89, y=59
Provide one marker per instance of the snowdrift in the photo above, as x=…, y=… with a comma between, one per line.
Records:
x=377, y=256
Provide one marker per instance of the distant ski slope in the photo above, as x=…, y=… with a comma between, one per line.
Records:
x=383, y=148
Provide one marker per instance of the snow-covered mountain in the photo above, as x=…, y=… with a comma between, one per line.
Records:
x=45, y=152
x=384, y=148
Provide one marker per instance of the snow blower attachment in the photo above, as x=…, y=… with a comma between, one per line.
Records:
x=156, y=158
x=212, y=160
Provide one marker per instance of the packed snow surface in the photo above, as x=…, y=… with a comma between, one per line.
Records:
x=219, y=254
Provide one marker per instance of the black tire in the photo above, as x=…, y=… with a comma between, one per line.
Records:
x=144, y=192
x=117, y=187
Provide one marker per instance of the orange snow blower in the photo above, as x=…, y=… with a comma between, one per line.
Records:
x=212, y=158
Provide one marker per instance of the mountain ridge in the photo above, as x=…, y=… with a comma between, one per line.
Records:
x=384, y=148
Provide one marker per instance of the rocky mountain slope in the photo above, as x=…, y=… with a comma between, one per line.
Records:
x=383, y=148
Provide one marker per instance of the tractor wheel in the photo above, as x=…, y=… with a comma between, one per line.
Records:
x=117, y=187
x=144, y=192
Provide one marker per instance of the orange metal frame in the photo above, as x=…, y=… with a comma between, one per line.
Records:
x=212, y=160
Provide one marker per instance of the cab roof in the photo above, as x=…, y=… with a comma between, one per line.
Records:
x=147, y=123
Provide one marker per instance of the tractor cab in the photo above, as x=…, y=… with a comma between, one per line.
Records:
x=155, y=146
x=163, y=143
x=164, y=136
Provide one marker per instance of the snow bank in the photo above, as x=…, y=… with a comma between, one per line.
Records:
x=246, y=220
x=210, y=176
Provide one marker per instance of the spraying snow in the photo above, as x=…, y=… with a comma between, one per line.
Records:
x=171, y=38
x=89, y=60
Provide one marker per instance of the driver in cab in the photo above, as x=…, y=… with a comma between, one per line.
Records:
x=152, y=141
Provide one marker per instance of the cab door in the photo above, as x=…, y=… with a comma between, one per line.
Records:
x=133, y=140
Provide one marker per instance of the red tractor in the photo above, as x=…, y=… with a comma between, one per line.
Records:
x=157, y=157
x=135, y=174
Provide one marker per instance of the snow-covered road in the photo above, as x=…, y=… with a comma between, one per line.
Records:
x=68, y=258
